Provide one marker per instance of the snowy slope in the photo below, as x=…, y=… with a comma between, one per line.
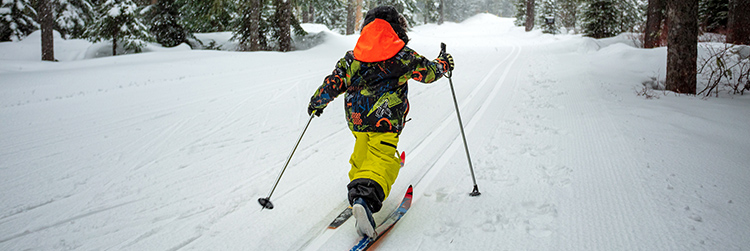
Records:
x=170, y=150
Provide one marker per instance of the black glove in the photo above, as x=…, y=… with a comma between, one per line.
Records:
x=447, y=60
x=317, y=111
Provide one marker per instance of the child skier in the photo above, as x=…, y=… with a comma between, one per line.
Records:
x=374, y=76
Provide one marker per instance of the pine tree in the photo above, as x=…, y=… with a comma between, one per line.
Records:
x=351, y=15
x=332, y=13
x=547, y=17
x=270, y=26
x=739, y=22
x=656, y=14
x=520, y=13
x=682, y=51
x=207, y=15
x=308, y=12
x=248, y=26
x=713, y=15
x=600, y=20
x=16, y=20
x=530, y=10
x=73, y=16
x=119, y=22
x=165, y=26
x=283, y=20
x=429, y=11
x=630, y=14
x=47, y=23
x=568, y=13
x=441, y=12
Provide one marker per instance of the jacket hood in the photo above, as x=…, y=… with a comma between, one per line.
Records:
x=377, y=42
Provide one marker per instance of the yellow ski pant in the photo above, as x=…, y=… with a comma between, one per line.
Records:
x=374, y=158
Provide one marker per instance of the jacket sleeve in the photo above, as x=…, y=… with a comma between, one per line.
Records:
x=332, y=86
x=425, y=70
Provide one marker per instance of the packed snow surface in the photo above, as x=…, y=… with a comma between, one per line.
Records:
x=171, y=149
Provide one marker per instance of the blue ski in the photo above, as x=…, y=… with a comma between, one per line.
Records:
x=366, y=242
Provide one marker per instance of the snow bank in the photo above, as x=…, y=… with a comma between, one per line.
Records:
x=30, y=49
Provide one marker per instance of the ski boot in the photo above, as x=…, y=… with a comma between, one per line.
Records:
x=365, y=223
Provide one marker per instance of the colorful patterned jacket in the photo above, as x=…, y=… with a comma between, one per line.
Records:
x=374, y=76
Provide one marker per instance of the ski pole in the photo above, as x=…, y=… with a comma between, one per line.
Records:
x=448, y=75
x=266, y=202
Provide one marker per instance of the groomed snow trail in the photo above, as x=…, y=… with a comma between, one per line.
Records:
x=170, y=151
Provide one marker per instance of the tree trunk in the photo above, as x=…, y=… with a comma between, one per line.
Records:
x=114, y=43
x=358, y=19
x=530, y=4
x=441, y=11
x=285, y=26
x=308, y=14
x=114, y=46
x=350, y=16
x=682, y=51
x=254, y=27
x=654, y=19
x=738, y=24
x=47, y=22
x=567, y=13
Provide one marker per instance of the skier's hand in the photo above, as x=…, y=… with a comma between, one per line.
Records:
x=311, y=110
x=447, y=61
x=449, y=58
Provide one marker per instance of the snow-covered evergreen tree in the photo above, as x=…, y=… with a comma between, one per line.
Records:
x=429, y=10
x=119, y=21
x=520, y=13
x=208, y=15
x=282, y=25
x=631, y=14
x=16, y=20
x=73, y=16
x=165, y=24
x=259, y=26
x=600, y=19
x=568, y=13
x=248, y=26
x=332, y=13
x=547, y=17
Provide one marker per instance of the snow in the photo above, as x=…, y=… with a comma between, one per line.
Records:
x=171, y=149
x=114, y=12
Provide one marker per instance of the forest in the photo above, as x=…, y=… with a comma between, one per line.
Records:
x=273, y=25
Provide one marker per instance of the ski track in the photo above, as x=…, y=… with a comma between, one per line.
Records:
x=321, y=237
x=147, y=151
x=533, y=181
x=435, y=167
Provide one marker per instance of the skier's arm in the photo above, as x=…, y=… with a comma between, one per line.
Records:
x=427, y=71
x=332, y=86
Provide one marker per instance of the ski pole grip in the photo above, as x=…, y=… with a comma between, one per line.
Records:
x=442, y=49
